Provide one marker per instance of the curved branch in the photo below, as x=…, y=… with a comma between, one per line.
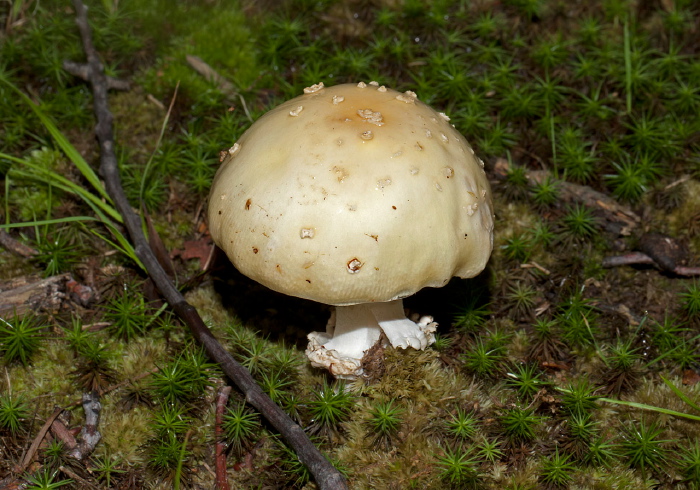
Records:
x=323, y=471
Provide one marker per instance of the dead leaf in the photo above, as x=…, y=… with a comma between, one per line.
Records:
x=555, y=365
x=196, y=249
x=690, y=377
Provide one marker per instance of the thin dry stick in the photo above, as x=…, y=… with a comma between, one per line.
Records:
x=37, y=441
x=221, y=400
x=81, y=71
x=326, y=476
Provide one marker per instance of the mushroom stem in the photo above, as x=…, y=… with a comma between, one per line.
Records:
x=401, y=331
x=357, y=329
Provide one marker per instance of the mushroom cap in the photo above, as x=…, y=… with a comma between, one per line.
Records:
x=352, y=194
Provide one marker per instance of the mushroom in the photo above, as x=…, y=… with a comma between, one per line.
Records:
x=355, y=196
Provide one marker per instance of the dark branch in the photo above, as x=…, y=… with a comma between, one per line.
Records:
x=82, y=70
x=662, y=251
x=323, y=471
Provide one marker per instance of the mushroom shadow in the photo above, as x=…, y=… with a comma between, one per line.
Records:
x=291, y=319
x=444, y=303
x=275, y=315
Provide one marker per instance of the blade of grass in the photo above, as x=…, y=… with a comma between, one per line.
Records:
x=652, y=408
x=553, y=138
x=178, y=469
x=49, y=177
x=628, y=64
x=668, y=352
x=680, y=394
x=7, y=199
x=101, y=208
x=54, y=221
x=70, y=151
x=123, y=245
x=147, y=170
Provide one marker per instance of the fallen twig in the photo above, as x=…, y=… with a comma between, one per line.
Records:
x=72, y=474
x=618, y=218
x=326, y=476
x=32, y=294
x=16, y=246
x=639, y=258
x=82, y=446
x=82, y=70
x=632, y=258
x=226, y=87
x=61, y=432
x=37, y=441
x=659, y=250
x=89, y=435
x=221, y=400
x=203, y=68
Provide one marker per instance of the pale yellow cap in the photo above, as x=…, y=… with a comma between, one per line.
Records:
x=352, y=194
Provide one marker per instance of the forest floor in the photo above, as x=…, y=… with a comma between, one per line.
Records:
x=572, y=361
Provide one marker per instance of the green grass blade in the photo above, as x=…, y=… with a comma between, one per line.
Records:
x=628, y=65
x=668, y=353
x=652, y=408
x=70, y=151
x=7, y=199
x=163, y=127
x=54, y=221
x=178, y=469
x=680, y=394
x=49, y=177
x=122, y=244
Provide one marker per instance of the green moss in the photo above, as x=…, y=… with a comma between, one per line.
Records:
x=219, y=34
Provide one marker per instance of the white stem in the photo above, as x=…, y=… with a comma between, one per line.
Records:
x=357, y=329
x=401, y=331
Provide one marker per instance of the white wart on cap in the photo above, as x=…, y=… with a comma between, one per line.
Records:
x=352, y=194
